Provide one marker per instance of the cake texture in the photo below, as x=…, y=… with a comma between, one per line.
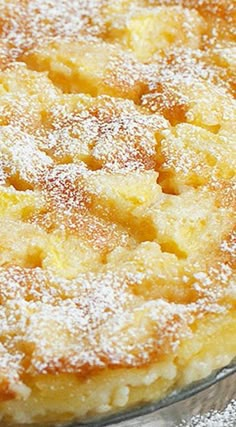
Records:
x=117, y=202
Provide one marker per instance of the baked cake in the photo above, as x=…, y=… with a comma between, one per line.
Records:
x=117, y=202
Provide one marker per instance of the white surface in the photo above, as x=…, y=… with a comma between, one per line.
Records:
x=226, y=418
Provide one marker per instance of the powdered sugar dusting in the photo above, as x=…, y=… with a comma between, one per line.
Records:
x=111, y=134
x=128, y=157
x=30, y=23
x=92, y=319
x=20, y=155
x=225, y=418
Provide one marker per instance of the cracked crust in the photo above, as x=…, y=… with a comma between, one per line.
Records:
x=117, y=203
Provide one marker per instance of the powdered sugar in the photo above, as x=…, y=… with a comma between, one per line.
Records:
x=225, y=418
x=93, y=163
x=29, y=24
x=92, y=319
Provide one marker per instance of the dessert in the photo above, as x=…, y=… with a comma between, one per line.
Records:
x=117, y=202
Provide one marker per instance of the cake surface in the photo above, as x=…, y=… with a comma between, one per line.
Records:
x=117, y=202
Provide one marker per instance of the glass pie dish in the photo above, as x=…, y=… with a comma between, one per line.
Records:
x=117, y=226
x=209, y=394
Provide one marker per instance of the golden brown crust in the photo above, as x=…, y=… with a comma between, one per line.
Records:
x=117, y=176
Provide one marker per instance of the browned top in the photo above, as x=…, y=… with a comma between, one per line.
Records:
x=117, y=181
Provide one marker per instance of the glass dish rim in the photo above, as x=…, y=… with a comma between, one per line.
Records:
x=176, y=396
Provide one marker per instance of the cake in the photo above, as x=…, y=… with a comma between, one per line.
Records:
x=117, y=203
